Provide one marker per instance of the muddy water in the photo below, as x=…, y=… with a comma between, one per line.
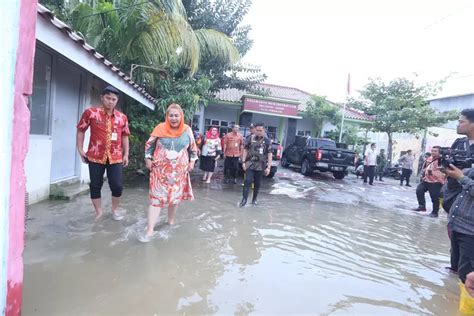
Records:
x=314, y=246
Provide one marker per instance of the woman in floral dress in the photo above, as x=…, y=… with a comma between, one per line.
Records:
x=170, y=154
x=211, y=150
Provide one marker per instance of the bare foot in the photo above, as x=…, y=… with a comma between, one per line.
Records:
x=170, y=222
x=98, y=216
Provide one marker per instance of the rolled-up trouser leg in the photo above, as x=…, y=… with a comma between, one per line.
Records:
x=115, y=178
x=96, y=175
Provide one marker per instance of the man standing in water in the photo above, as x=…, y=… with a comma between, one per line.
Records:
x=233, y=143
x=406, y=161
x=256, y=162
x=452, y=188
x=108, y=148
x=370, y=161
x=461, y=222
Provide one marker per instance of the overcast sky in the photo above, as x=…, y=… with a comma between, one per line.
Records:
x=314, y=44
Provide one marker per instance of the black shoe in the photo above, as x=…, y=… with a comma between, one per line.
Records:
x=235, y=181
x=408, y=185
x=371, y=184
x=226, y=181
x=401, y=183
x=243, y=203
x=419, y=209
x=452, y=270
x=381, y=180
x=433, y=215
x=255, y=202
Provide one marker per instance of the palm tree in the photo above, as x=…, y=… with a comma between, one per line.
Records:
x=153, y=32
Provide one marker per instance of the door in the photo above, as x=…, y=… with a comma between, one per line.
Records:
x=65, y=116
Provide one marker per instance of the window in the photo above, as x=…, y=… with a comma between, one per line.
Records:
x=196, y=122
x=272, y=132
x=303, y=133
x=223, y=126
x=41, y=98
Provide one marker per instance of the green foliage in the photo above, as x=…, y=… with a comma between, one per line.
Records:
x=400, y=107
x=149, y=33
x=319, y=109
x=225, y=16
x=350, y=136
x=190, y=93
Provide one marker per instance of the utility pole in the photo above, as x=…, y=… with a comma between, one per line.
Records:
x=348, y=92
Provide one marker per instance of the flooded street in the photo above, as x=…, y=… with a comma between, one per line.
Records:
x=314, y=245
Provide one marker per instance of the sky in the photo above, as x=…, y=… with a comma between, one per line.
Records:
x=313, y=44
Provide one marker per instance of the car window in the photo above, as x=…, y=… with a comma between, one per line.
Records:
x=326, y=143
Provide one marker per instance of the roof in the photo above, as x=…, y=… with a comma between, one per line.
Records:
x=289, y=93
x=451, y=96
x=80, y=41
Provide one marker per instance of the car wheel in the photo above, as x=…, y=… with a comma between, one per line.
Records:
x=306, y=168
x=284, y=162
x=339, y=175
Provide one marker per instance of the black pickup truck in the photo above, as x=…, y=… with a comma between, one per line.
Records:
x=276, y=149
x=318, y=154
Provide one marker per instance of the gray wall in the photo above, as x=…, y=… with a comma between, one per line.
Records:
x=305, y=124
x=453, y=103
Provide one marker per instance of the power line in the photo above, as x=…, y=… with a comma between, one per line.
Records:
x=455, y=12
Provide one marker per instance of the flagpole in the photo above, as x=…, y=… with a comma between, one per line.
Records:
x=344, y=106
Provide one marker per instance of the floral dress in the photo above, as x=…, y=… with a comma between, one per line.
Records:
x=169, y=176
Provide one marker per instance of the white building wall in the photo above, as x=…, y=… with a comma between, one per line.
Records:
x=222, y=112
x=38, y=167
x=305, y=124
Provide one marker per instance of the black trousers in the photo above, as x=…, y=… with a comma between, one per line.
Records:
x=462, y=254
x=114, y=176
x=406, y=174
x=231, y=167
x=369, y=171
x=380, y=171
x=254, y=176
x=435, y=193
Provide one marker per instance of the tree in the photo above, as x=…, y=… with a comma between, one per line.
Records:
x=350, y=136
x=400, y=106
x=148, y=32
x=190, y=93
x=319, y=109
x=225, y=16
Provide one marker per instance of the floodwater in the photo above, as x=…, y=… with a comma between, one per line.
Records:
x=313, y=246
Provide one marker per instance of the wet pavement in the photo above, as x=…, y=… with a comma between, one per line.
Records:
x=314, y=245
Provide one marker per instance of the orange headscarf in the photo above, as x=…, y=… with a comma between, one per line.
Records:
x=164, y=130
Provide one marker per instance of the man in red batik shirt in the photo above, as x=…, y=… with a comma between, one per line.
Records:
x=108, y=148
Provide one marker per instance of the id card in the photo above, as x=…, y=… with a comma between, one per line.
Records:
x=260, y=151
x=114, y=136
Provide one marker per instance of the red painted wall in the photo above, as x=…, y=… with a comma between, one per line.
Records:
x=21, y=128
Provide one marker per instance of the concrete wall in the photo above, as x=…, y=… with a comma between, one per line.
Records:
x=306, y=124
x=19, y=146
x=222, y=112
x=9, y=32
x=38, y=167
x=446, y=134
x=453, y=103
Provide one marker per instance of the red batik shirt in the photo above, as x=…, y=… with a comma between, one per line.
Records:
x=106, y=134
